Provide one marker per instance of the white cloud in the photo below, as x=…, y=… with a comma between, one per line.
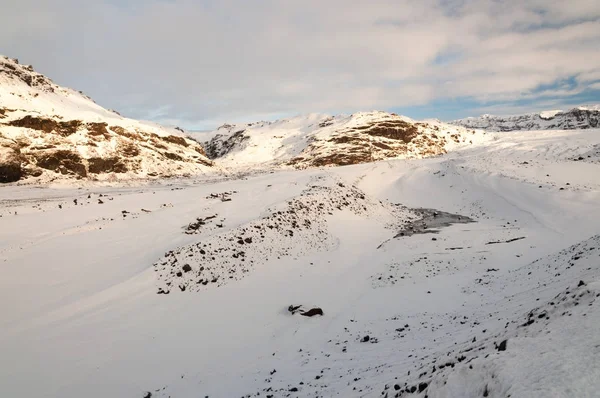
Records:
x=189, y=61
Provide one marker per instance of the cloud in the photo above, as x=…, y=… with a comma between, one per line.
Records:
x=196, y=62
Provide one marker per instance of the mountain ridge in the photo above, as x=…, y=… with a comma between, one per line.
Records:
x=581, y=117
x=49, y=132
x=316, y=140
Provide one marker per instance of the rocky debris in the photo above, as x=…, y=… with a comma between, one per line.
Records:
x=223, y=258
x=195, y=226
x=223, y=196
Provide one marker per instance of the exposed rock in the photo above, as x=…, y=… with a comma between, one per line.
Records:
x=10, y=165
x=60, y=161
x=47, y=125
x=106, y=165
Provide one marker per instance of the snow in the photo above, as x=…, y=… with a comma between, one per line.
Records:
x=549, y=114
x=81, y=315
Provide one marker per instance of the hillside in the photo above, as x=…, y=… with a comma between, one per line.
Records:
x=320, y=140
x=583, y=117
x=48, y=132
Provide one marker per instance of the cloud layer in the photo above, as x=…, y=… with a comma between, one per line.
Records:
x=195, y=63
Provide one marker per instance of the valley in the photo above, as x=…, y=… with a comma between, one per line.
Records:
x=97, y=299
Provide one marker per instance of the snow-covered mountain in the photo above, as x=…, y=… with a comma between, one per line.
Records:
x=582, y=117
x=320, y=140
x=49, y=132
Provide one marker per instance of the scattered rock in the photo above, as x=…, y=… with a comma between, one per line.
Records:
x=502, y=345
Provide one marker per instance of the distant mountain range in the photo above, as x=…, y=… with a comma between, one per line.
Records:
x=582, y=117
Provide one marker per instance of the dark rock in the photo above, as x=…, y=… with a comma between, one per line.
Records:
x=502, y=345
x=422, y=386
x=293, y=308
x=312, y=312
x=10, y=169
x=186, y=268
x=581, y=283
x=365, y=339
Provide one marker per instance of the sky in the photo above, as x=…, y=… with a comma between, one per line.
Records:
x=198, y=64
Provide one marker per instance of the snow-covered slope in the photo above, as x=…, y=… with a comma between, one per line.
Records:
x=190, y=289
x=320, y=140
x=582, y=117
x=50, y=132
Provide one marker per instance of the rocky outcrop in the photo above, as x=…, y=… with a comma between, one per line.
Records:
x=221, y=144
x=377, y=138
